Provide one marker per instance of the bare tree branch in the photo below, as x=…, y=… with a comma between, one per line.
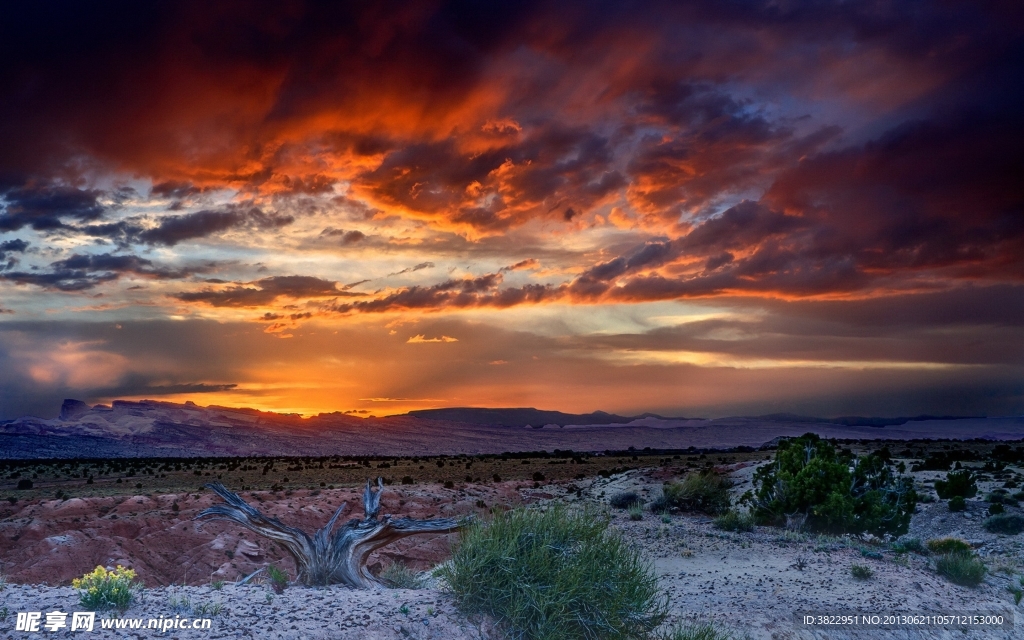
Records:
x=326, y=558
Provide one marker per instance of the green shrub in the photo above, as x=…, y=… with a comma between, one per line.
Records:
x=861, y=572
x=957, y=483
x=962, y=569
x=278, y=579
x=697, y=631
x=102, y=589
x=398, y=576
x=908, y=545
x=636, y=511
x=1001, y=496
x=957, y=503
x=734, y=521
x=995, y=509
x=703, y=491
x=1009, y=524
x=555, y=574
x=624, y=500
x=943, y=546
x=835, y=492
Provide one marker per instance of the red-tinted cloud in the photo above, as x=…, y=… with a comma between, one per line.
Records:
x=488, y=156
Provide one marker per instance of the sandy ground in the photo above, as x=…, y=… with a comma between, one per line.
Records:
x=752, y=583
x=755, y=583
x=248, y=612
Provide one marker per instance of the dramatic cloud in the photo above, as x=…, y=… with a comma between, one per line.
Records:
x=45, y=207
x=9, y=247
x=265, y=291
x=175, y=229
x=170, y=230
x=81, y=272
x=585, y=169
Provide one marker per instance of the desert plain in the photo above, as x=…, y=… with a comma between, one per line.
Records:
x=73, y=514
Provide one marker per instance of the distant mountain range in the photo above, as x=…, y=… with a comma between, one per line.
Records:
x=858, y=421
x=163, y=429
x=518, y=417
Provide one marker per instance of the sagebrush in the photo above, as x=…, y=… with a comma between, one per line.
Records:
x=1007, y=523
x=943, y=546
x=734, y=521
x=625, y=499
x=703, y=491
x=961, y=568
x=555, y=574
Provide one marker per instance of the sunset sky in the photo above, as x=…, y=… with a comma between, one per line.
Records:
x=692, y=208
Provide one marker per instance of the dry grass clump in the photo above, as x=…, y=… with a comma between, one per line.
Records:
x=697, y=631
x=636, y=511
x=734, y=521
x=949, y=545
x=1008, y=523
x=957, y=561
x=625, y=499
x=703, y=491
x=555, y=574
x=962, y=569
x=398, y=576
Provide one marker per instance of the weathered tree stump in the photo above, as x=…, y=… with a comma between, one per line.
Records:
x=325, y=558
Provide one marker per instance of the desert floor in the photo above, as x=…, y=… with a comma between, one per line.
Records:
x=754, y=584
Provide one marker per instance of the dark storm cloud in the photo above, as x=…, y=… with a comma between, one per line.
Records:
x=728, y=142
x=805, y=340
x=45, y=207
x=8, y=247
x=978, y=306
x=549, y=171
x=352, y=236
x=418, y=267
x=266, y=291
x=175, y=190
x=175, y=229
x=171, y=230
x=85, y=271
x=141, y=385
x=943, y=195
x=468, y=292
x=754, y=152
x=270, y=89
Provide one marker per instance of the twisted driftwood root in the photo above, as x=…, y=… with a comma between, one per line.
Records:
x=325, y=558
